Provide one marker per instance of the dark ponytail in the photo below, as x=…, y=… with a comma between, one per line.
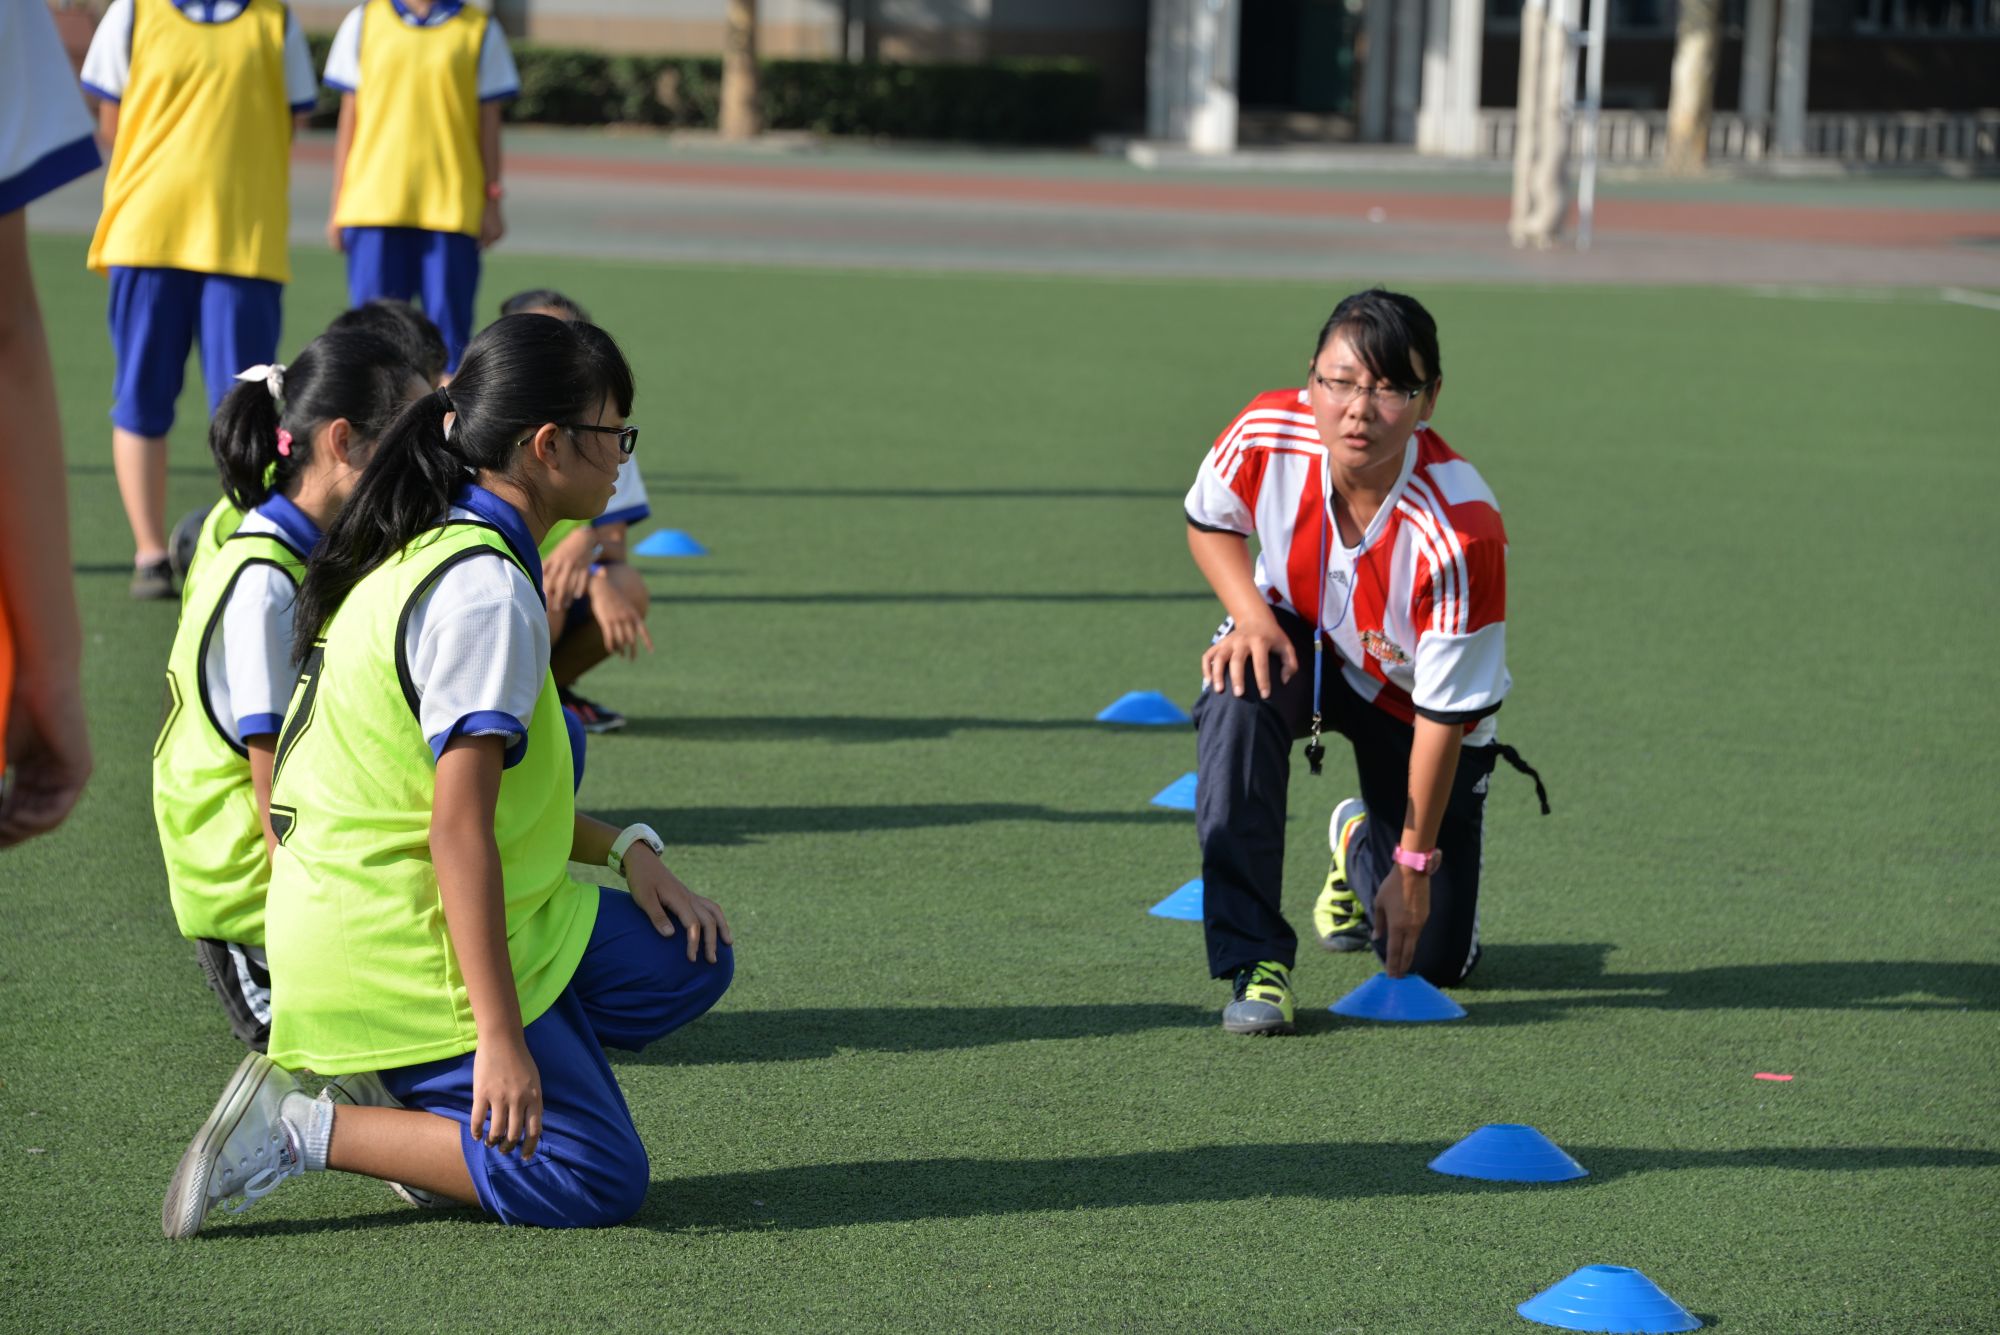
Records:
x=263, y=430
x=518, y=373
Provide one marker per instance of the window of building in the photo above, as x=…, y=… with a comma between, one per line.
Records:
x=1927, y=16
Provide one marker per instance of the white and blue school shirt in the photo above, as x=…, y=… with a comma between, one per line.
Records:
x=248, y=671
x=478, y=641
x=45, y=132
x=498, y=79
x=107, y=69
x=629, y=502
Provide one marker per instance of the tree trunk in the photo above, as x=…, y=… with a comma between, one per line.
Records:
x=741, y=116
x=1692, y=100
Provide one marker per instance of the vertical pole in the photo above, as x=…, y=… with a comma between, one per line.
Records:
x=1409, y=56
x=1435, y=112
x=1794, y=53
x=1375, y=73
x=1593, y=103
x=1468, y=45
x=1753, y=100
x=1527, y=118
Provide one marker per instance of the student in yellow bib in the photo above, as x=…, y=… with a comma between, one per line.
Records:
x=198, y=99
x=290, y=443
x=398, y=323
x=597, y=601
x=416, y=159
x=428, y=948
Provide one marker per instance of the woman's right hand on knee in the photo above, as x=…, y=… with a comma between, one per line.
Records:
x=1222, y=666
x=507, y=1096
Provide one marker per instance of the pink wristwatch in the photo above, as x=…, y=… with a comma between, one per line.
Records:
x=1427, y=863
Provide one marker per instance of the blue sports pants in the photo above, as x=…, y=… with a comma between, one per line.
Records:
x=438, y=269
x=156, y=315
x=632, y=988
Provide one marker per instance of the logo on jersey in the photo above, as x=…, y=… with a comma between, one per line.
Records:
x=1384, y=648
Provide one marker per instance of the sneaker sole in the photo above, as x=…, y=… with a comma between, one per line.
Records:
x=187, y=1201
x=1342, y=943
x=1260, y=1030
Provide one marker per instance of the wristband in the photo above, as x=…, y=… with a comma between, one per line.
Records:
x=495, y=191
x=1427, y=863
x=630, y=835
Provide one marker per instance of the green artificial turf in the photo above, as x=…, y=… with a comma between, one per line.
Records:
x=963, y=1081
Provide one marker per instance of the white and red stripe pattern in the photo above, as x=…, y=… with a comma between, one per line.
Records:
x=1417, y=610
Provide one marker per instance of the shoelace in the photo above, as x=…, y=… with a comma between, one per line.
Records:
x=266, y=1180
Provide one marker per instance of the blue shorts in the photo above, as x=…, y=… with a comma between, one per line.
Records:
x=632, y=988
x=156, y=315
x=440, y=269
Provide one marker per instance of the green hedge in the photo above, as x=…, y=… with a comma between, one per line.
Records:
x=1001, y=102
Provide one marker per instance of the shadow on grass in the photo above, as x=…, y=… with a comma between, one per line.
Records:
x=845, y=728
x=945, y=493
x=1579, y=970
x=729, y=826
x=907, y=1190
x=726, y=1037
x=846, y=599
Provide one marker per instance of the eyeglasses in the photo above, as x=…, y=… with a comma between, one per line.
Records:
x=628, y=436
x=1391, y=399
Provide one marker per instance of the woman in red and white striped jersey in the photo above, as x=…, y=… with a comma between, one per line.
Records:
x=1376, y=532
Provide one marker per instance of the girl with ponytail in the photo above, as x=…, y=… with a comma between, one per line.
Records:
x=428, y=948
x=290, y=443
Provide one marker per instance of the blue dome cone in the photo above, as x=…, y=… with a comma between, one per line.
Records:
x=670, y=542
x=1143, y=707
x=1506, y=1152
x=1184, y=904
x=1179, y=795
x=1405, y=1000
x=1611, y=1298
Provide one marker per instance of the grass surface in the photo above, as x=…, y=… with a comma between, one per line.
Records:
x=963, y=1080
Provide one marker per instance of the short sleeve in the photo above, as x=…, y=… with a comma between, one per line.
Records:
x=1223, y=495
x=256, y=658
x=45, y=133
x=477, y=645
x=301, y=88
x=107, y=66
x=343, y=58
x=629, y=503
x=499, y=81
x=1461, y=659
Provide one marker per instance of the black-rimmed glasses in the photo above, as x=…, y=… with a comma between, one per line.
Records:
x=628, y=436
x=1391, y=399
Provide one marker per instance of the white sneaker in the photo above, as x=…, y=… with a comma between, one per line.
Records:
x=245, y=1148
x=365, y=1089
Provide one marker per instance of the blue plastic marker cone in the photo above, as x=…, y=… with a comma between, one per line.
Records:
x=1611, y=1298
x=1179, y=794
x=1145, y=707
x=670, y=542
x=1404, y=999
x=1183, y=904
x=1507, y=1152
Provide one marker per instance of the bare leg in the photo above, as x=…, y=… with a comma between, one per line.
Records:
x=417, y=1149
x=141, y=465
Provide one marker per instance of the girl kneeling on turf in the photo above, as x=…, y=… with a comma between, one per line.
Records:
x=290, y=445
x=422, y=921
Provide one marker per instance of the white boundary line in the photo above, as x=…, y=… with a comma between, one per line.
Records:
x=1985, y=301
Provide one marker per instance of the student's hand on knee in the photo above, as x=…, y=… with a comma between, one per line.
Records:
x=618, y=622
x=1223, y=666
x=507, y=1096
x=1402, y=907
x=663, y=899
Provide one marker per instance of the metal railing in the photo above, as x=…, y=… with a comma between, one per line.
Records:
x=1877, y=137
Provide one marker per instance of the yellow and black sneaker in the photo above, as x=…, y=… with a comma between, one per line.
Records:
x=1338, y=918
x=1263, y=1003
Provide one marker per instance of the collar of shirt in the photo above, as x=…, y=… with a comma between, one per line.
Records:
x=440, y=11
x=508, y=520
x=211, y=11
x=295, y=526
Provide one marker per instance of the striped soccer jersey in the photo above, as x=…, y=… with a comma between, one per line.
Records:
x=1417, y=611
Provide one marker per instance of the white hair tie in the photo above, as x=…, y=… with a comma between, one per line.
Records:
x=272, y=374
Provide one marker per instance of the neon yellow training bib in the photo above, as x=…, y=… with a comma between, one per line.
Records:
x=414, y=161
x=201, y=169
x=363, y=973
x=211, y=833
